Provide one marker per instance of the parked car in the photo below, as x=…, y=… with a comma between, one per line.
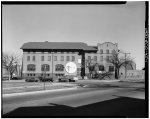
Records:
x=32, y=79
x=46, y=79
x=16, y=78
x=68, y=78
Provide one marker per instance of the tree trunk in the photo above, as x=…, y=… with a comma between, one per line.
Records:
x=9, y=75
x=116, y=73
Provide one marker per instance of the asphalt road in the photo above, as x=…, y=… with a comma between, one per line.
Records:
x=78, y=102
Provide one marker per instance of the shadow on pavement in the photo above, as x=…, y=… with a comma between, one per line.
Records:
x=118, y=107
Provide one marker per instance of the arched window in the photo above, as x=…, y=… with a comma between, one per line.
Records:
x=45, y=67
x=101, y=67
x=59, y=67
x=31, y=67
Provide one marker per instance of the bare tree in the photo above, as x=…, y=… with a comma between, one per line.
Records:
x=9, y=63
x=118, y=62
x=91, y=67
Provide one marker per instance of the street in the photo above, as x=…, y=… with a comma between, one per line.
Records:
x=81, y=101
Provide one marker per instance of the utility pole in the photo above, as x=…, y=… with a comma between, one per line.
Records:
x=125, y=64
x=52, y=64
x=44, y=75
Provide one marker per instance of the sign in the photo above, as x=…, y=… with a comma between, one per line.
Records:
x=71, y=67
x=79, y=60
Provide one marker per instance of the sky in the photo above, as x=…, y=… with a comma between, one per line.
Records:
x=123, y=24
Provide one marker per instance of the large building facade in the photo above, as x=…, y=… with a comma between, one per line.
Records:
x=50, y=58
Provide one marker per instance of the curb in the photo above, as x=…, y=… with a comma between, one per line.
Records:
x=36, y=92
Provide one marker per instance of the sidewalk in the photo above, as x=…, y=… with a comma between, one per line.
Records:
x=36, y=92
x=25, y=89
x=95, y=80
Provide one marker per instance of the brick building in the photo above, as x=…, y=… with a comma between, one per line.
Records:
x=50, y=58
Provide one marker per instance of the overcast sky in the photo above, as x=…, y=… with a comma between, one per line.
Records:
x=92, y=24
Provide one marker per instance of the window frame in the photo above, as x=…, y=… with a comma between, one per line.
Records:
x=101, y=58
x=101, y=51
x=42, y=58
x=112, y=68
x=49, y=58
x=62, y=58
x=55, y=58
x=67, y=58
x=59, y=68
x=33, y=58
x=47, y=67
x=28, y=58
x=31, y=67
x=73, y=58
x=107, y=51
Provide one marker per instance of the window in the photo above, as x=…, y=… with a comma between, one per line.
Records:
x=45, y=67
x=42, y=58
x=95, y=58
x=101, y=58
x=68, y=58
x=49, y=58
x=101, y=67
x=101, y=51
x=89, y=57
x=111, y=68
x=30, y=67
x=62, y=58
x=59, y=67
x=107, y=58
x=107, y=51
x=73, y=58
x=33, y=58
x=55, y=58
x=28, y=58
x=110, y=58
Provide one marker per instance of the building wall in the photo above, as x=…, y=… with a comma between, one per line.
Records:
x=104, y=46
x=39, y=63
x=136, y=74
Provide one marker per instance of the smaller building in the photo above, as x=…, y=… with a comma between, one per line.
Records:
x=136, y=74
x=123, y=69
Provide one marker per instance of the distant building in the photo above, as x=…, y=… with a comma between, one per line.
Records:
x=50, y=58
x=136, y=74
x=131, y=66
